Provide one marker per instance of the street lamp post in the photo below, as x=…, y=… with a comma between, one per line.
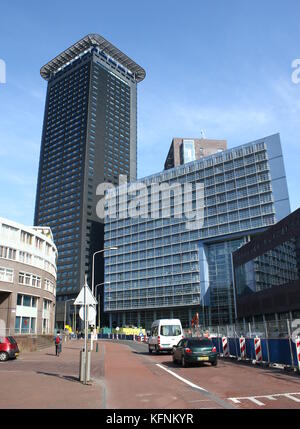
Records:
x=93, y=264
x=93, y=277
x=68, y=300
x=100, y=284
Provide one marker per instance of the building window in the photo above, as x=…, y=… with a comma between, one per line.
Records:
x=26, y=237
x=25, y=257
x=38, y=243
x=27, y=301
x=17, y=324
x=6, y=275
x=7, y=253
x=30, y=280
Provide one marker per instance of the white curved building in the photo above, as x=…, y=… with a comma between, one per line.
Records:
x=28, y=258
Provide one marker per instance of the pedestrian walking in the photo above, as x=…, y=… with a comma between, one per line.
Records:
x=58, y=344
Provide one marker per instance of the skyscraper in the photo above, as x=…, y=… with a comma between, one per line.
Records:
x=89, y=137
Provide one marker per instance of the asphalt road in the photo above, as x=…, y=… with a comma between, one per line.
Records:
x=126, y=376
x=137, y=379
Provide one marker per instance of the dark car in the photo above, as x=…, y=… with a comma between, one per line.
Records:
x=195, y=350
x=8, y=348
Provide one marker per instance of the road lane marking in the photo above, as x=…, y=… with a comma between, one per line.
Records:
x=273, y=397
x=184, y=380
x=235, y=400
x=256, y=401
x=223, y=403
x=289, y=396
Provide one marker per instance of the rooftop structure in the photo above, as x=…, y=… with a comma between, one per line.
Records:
x=82, y=47
x=184, y=150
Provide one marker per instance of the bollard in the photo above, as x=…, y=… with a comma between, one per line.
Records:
x=97, y=347
x=243, y=348
x=298, y=351
x=225, y=347
x=258, y=351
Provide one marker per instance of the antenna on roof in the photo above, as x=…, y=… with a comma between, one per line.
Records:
x=202, y=134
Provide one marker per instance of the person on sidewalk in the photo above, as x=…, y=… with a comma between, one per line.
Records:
x=58, y=343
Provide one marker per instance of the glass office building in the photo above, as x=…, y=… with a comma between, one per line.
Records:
x=267, y=273
x=163, y=268
x=89, y=137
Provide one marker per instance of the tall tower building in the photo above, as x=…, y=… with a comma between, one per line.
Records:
x=89, y=137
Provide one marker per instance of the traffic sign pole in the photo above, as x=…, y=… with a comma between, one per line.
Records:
x=86, y=299
x=85, y=334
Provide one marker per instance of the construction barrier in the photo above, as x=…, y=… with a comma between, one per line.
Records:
x=298, y=351
x=225, y=347
x=258, y=351
x=243, y=348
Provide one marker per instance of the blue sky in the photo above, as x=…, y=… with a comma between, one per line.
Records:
x=221, y=66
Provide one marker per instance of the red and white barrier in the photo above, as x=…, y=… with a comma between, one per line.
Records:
x=258, y=351
x=243, y=348
x=298, y=351
x=225, y=347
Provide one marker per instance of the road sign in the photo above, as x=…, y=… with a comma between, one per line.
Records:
x=89, y=298
x=91, y=313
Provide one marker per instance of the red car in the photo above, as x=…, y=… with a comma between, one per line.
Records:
x=8, y=348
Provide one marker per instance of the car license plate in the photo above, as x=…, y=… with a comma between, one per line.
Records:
x=203, y=358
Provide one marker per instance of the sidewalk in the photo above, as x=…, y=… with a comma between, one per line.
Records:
x=42, y=380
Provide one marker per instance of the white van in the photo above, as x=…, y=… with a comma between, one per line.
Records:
x=165, y=334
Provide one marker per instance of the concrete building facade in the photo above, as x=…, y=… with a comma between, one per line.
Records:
x=28, y=258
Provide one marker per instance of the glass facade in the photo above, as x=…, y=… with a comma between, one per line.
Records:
x=275, y=267
x=89, y=137
x=187, y=151
x=161, y=266
x=267, y=271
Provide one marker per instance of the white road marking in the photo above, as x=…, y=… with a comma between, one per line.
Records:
x=272, y=397
x=235, y=400
x=181, y=378
x=256, y=401
x=289, y=396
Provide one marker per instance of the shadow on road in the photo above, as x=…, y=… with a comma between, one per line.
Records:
x=64, y=377
x=171, y=364
x=273, y=371
x=146, y=353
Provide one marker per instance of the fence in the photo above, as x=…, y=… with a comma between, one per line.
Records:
x=277, y=341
